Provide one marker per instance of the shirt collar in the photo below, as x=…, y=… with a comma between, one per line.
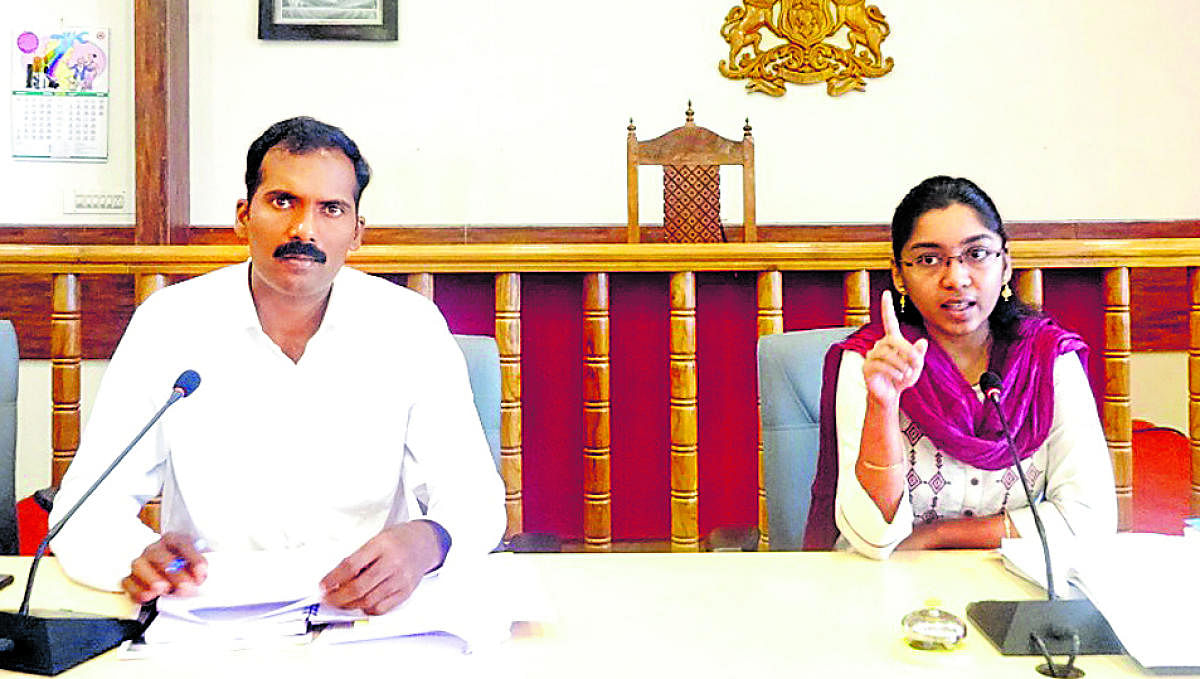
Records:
x=245, y=313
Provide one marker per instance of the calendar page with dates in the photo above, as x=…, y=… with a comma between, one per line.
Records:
x=60, y=94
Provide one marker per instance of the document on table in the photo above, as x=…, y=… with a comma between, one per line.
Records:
x=1145, y=585
x=258, y=598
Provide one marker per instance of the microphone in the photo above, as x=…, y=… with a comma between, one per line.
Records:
x=1052, y=627
x=57, y=640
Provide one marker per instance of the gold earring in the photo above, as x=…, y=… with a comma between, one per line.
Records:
x=903, y=301
x=1006, y=292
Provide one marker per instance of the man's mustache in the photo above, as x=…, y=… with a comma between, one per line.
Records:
x=300, y=248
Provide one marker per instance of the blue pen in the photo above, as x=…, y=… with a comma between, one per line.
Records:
x=178, y=563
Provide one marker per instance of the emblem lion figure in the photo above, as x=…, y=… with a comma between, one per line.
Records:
x=865, y=24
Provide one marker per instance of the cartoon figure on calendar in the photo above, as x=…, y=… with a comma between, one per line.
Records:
x=87, y=62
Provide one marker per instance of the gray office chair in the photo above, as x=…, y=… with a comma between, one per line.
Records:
x=483, y=370
x=9, y=360
x=789, y=387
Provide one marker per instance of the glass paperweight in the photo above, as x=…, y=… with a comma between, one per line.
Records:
x=933, y=629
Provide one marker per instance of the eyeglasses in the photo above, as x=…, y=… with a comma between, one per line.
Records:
x=975, y=258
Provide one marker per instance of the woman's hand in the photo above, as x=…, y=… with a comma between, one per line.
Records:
x=893, y=364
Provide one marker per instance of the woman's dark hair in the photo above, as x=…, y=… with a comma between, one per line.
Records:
x=939, y=193
x=301, y=135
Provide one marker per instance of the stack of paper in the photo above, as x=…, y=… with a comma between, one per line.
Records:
x=1146, y=586
x=251, y=599
x=248, y=598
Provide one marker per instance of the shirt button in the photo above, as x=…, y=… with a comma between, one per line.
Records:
x=974, y=482
x=967, y=512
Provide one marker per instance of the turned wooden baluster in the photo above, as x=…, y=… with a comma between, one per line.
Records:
x=770, y=322
x=856, y=294
x=1194, y=384
x=1028, y=287
x=422, y=283
x=685, y=530
x=508, y=339
x=66, y=350
x=145, y=285
x=1118, y=424
x=597, y=487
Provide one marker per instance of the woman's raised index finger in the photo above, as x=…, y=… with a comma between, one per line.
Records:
x=891, y=326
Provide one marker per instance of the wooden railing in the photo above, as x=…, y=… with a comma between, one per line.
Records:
x=1113, y=259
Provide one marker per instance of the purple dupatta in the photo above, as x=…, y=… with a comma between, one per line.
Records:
x=948, y=410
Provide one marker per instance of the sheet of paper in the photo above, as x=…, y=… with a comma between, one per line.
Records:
x=474, y=601
x=1024, y=557
x=256, y=598
x=1147, y=587
x=254, y=581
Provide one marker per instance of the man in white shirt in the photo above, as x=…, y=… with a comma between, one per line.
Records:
x=334, y=408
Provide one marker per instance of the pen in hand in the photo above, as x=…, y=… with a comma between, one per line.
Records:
x=179, y=563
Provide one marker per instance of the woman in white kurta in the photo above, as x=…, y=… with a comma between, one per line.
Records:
x=912, y=456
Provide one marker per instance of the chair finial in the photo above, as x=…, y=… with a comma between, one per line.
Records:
x=632, y=128
x=691, y=115
x=746, y=128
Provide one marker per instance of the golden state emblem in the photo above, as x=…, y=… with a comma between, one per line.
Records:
x=796, y=48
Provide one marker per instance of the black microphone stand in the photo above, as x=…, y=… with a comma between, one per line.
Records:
x=53, y=641
x=1055, y=626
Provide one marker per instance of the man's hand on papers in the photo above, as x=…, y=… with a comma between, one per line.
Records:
x=172, y=565
x=381, y=574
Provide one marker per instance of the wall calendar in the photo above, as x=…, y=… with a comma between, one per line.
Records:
x=60, y=94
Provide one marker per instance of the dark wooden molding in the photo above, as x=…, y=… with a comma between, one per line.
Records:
x=444, y=234
x=161, y=121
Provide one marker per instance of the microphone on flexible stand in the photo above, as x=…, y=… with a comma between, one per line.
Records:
x=1052, y=627
x=53, y=641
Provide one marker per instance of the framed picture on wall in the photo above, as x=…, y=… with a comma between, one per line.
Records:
x=327, y=19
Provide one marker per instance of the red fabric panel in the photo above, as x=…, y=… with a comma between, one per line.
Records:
x=468, y=301
x=1075, y=298
x=641, y=440
x=726, y=341
x=552, y=403
x=813, y=299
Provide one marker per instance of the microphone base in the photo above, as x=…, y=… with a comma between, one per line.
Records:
x=53, y=641
x=1010, y=626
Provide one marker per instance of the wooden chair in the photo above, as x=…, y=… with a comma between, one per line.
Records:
x=691, y=157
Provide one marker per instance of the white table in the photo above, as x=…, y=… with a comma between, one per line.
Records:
x=670, y=615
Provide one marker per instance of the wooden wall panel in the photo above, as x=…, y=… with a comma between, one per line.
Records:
x=161, y=99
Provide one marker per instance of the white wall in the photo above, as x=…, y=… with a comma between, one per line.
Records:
x=515, y=112
x=33, y=420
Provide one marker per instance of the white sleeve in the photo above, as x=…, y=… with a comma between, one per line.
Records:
x=1080, y=497
x=98, y=544
x=857, y=516
x=455, y=473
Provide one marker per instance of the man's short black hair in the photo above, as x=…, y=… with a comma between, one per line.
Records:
x=301, y=135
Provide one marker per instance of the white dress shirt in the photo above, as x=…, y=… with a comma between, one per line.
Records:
x=1070, y=474
x=375, y=424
